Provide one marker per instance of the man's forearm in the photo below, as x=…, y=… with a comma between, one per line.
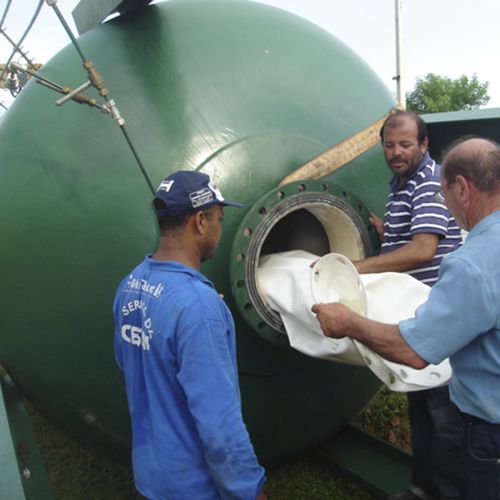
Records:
x=337, y=321
x=385, y=340
x=419, y=250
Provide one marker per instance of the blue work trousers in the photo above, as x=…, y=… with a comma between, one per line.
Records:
x=437, y=435
x=482, y=447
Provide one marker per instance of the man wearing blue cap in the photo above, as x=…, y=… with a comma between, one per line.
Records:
x=175, y=342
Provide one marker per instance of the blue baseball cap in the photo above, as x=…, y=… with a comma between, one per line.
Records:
x=188, y=191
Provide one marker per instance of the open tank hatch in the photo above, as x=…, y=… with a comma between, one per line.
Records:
x=318, y=217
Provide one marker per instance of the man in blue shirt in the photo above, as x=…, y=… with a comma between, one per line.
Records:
x=175, y=342
x=417, y=232
x=461, y=319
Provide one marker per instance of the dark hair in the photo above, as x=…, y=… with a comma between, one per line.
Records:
x=395, y=118
x=481, y=166
x=176, y=223
x=170, y=224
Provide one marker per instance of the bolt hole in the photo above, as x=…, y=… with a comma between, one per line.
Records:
x=248, y=306
x=262, y=210
x=325, y=187
x=301, y=188
x=90, y=418
x=261, y=325
x=280, y=195
x=240, y=257
x=240, y=283
x=247, y=231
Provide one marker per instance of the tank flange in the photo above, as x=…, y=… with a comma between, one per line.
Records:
x=317, y=216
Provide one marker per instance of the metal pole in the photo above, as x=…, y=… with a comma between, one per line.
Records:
x=96, y=80
x=72, y=94
x=400, y=80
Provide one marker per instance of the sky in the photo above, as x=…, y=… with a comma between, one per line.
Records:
x=446, y=37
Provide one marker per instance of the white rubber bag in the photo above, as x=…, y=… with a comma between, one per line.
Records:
x=291, y=286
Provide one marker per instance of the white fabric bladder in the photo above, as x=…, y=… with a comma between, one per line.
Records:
x=291, y=286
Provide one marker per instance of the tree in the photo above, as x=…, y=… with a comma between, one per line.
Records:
x=434, y=94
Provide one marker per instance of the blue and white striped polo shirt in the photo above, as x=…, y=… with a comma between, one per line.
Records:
x=412, y=209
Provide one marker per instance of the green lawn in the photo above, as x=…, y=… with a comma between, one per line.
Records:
x=76, y=473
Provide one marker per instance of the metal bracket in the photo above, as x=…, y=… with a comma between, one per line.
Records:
x=23, y=475
x=90, y=13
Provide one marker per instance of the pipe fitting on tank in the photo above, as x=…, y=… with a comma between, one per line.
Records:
x=112, y=108
x=95, y=78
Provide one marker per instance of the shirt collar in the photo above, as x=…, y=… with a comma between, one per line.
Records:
x=484, y=224
x=174, y=266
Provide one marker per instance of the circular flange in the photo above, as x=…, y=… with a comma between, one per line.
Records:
x=345, y=222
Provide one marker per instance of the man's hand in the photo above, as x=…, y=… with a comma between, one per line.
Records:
x=335, y=319
x=378, y=224
x=339, y=321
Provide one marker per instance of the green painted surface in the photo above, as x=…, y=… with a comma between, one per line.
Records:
x=243, y=91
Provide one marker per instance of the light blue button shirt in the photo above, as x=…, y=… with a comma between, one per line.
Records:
x=461, y=320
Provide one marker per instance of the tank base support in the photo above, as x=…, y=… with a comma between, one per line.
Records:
x=22, y=475
x=381, y=468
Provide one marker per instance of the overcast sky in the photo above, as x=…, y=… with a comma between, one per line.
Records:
x=446, y=37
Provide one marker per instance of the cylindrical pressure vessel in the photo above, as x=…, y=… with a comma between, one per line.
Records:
x=237, y=89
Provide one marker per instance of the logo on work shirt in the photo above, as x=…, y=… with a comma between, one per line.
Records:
x=136, y=336
x=143, y=285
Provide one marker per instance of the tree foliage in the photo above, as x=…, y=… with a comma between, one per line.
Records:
x=434, y=94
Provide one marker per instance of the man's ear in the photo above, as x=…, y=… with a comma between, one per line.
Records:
x=463, y=187
x=199, y=221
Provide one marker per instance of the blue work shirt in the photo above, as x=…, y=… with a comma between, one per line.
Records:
x=461, y=320
x=175, y=342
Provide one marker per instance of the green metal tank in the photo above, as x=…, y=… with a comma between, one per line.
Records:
x=243, y=91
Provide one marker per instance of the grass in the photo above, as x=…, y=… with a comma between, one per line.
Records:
x=78, y=474
x=387, y=418
x=308, y=478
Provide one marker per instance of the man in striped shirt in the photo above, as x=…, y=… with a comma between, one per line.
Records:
x=417, y=232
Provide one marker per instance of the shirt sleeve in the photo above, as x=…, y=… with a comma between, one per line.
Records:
x=460, y=307
x=208, y=376
x=428, y=215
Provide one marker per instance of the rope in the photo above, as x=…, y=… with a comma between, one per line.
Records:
x=339, y=155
